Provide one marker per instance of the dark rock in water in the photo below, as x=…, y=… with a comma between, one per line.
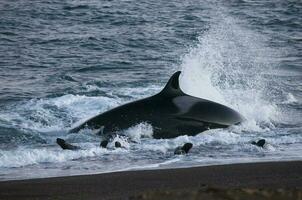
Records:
x=184, y=149
x=64, y=145
x=104, y=143
x=260, y=143
x=117, y=145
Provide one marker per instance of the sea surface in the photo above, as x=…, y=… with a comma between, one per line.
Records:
x=62, y=62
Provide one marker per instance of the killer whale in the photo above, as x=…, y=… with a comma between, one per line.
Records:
x=171, y=113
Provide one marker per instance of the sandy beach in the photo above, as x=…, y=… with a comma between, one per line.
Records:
x=123, y=185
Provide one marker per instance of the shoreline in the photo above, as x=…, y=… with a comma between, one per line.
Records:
x=146, y=169
x=124, y=184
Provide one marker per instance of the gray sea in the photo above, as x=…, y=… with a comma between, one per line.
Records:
x=62, y=62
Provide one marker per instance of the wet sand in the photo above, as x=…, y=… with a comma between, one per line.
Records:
x=122, y=185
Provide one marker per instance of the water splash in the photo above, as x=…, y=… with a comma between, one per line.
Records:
x=228, y=65
x=142, y=130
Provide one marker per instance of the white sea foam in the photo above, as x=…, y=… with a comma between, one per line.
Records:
x=157, y=145
x=24, y=156
x=60, y=112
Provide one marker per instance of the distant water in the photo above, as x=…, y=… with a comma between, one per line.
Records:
x=62, y=63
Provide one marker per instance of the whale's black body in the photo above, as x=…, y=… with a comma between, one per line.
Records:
x=171, y=113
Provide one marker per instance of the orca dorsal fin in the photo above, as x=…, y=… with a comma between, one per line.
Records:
x=172, y=87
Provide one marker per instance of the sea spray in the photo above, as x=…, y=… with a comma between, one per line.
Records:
x=227, y=65
x=142, y=130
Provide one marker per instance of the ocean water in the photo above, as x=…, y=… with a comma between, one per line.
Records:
x=62, y=62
